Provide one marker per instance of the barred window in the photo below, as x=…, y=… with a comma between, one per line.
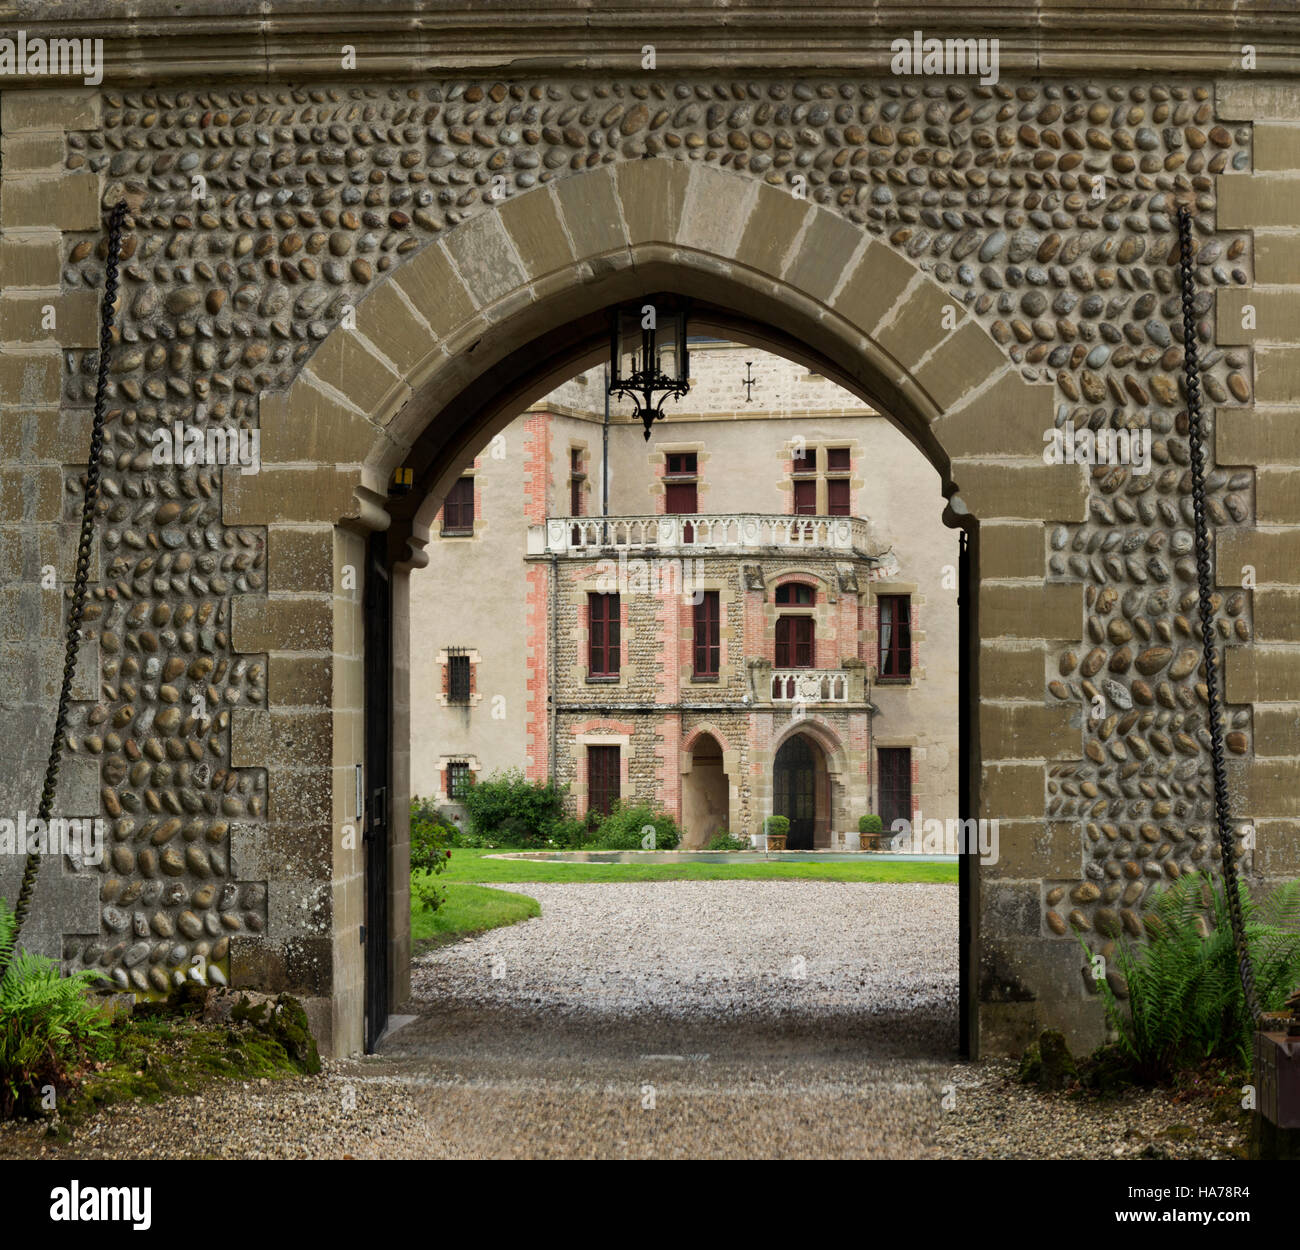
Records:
x=458, y=675
x=458, y=779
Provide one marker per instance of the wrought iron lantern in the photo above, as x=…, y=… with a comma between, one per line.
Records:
x=648, y=355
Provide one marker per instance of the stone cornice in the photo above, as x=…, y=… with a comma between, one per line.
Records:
x=151, y=41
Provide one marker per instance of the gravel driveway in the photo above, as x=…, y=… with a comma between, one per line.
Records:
x=668, y=1020
x=710, y=951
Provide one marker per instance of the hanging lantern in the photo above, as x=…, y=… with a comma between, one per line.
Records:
x=648, y=355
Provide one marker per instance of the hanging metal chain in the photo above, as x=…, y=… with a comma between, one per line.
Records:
x=1195, y=444
x=85, y=544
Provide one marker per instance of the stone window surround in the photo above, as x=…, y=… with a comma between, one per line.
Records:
x=475, y=767
x=580, y=674
x=657, y=458
x=872, y=634
x=727, y=671
x=480, y=520
x=581, y=740
x=442, y=660
x=912, y=743
x=827, y=597
x=588, y=492
x=822, y=476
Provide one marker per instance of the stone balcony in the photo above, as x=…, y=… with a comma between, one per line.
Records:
x=810, y=685
x=706, y=533
x=790, y=686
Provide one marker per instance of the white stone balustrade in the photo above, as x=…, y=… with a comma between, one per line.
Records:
x=698, y=533
x=810, y=685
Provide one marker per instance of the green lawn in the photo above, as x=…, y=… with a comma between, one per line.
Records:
x=469, y=909
x=473, y=865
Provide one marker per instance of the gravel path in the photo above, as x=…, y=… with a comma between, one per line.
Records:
x=817, y=950
x=668, y=1019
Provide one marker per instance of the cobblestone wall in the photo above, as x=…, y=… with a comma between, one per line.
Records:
x=1043, y=212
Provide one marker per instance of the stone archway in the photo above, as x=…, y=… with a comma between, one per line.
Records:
x=935, y=308
x=485, y=320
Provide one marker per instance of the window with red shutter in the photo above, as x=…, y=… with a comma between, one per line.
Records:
x=602, y=778
x=680, y=497
x=838, y=460
x=602, y=635
x=794, y=642
x=707, y=635
x=837, y=497
x=894, y=653
x=805, y=498
x=804, y=461
x=458, y=510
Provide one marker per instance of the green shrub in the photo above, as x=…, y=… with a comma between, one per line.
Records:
x=778, y=826
x=48, y=1026
x=1184, y=1001
x=723, y=841
x=513, y=809
x=624, y=828
x=870, y=824
x=567, y=833
x=429, y=855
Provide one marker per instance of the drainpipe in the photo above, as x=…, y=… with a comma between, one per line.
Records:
x=604, y=454
x=551, y=630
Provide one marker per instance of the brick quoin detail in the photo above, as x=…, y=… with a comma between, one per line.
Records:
x=668, y=683
x=537, y=450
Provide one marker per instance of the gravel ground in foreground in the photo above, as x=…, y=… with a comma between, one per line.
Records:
x=668, y=1019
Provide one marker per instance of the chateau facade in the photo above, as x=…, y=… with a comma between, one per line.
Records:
x=752, y=613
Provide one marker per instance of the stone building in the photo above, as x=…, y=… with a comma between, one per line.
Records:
x=752, y=613
x=377, y=258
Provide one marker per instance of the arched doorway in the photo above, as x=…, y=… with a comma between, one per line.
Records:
x=705, y=795
x=795, y=789
x=461, y=357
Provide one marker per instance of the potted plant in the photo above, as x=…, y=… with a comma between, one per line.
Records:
x=776, y=828
x=869, y=830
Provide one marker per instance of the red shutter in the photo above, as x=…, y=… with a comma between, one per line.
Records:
x=805, y=498
x=707, y=648
x=681, y=497
x=794, y=642
x=603, y=635
x=803, y=644
x=837, y=497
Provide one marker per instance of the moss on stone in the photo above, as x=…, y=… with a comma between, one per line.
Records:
x=1047, y=1063
x=163, y=1050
